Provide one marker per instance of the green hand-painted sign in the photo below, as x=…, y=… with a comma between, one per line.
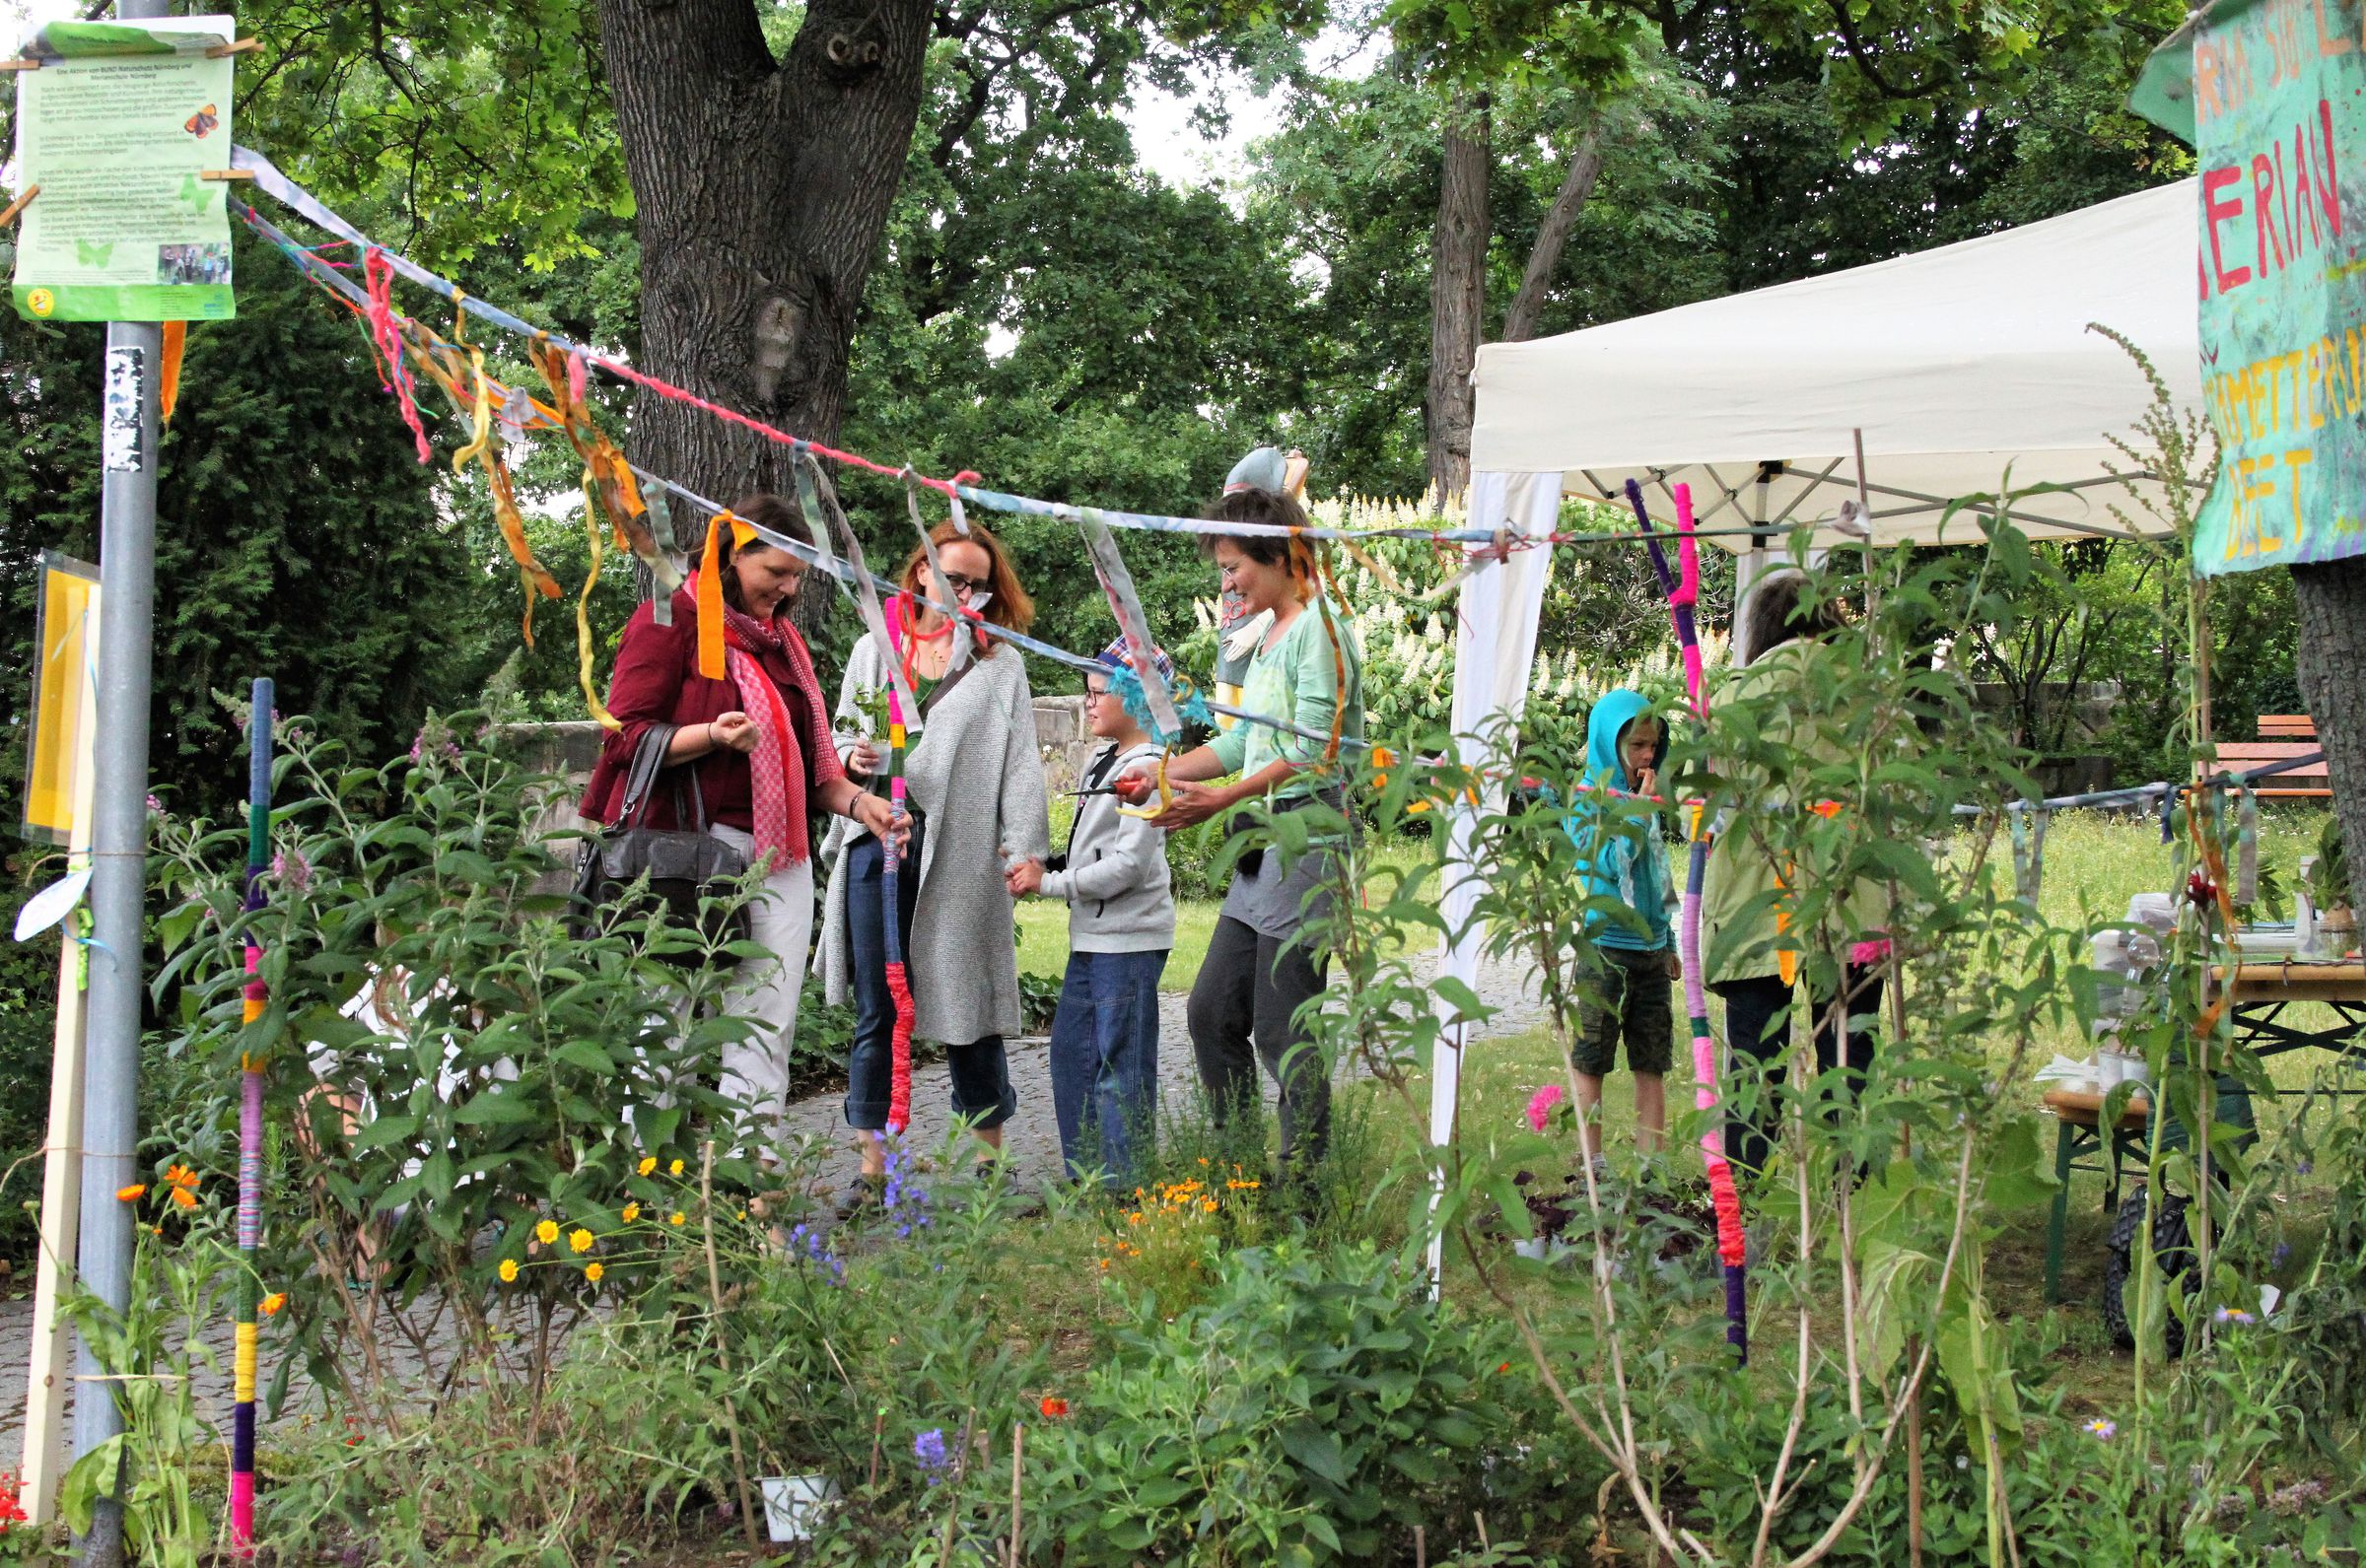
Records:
x=2273, y=94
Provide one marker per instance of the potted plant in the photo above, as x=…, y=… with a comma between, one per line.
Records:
x=2330, y=887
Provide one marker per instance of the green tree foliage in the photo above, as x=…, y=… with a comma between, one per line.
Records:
x=1352, y=177
x=297, y=535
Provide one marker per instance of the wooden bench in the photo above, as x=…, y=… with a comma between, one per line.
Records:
x=2312, y=783
x=2287, y=727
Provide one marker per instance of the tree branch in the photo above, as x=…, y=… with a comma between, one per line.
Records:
x=1553, y=238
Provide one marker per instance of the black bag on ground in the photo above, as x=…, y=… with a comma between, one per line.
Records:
x=683, y=868
x=2172, y=1245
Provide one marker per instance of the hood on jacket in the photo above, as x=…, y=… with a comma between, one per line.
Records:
x=1612, y=715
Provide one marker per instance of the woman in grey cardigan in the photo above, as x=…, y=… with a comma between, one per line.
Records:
x=973, y=781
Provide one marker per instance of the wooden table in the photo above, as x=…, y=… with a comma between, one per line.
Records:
x=2262, y=992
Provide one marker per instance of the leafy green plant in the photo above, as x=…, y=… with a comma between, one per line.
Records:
x=2329, y=886
x=157, y=1466
x=1315, y=1408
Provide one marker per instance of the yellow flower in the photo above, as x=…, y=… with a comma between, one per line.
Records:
x=547, y=1232
x=132, y=1194
x=676, y=1217
x=272, y=1304
x=676, y=1169
x=648, y=1163
x=509, y=1271
x=580, y=1239
x=593, y=1272
x=632, y=1212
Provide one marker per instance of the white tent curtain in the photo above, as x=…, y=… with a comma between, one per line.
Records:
x=1494, y=646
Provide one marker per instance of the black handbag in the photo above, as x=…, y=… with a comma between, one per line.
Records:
x=671, y=873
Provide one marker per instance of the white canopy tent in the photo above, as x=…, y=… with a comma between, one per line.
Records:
x=1957, y=365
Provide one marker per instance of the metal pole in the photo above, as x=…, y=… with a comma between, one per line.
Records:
x=111, y=1128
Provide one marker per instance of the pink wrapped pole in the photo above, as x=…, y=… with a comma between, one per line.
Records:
x=1732, y=1244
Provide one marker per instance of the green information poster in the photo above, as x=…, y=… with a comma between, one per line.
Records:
x=2272, y=96
x=115, y=128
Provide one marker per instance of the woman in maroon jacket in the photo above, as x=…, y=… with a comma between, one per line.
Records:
x=754, y=733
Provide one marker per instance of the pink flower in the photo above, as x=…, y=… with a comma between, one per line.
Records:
x=1540, y=1105
x=1874, y=951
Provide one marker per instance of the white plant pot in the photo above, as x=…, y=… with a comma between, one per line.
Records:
x=795, y=1504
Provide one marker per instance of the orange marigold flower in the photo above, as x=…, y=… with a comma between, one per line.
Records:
x=632, y=1212
x=1505, y=1367
x=182, y=1175
x=184, y=1198
x=132, y=1194
x=1054, y=1406
x=269, y=1305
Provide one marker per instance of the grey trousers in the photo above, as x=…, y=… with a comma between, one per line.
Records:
x=1239, y=1014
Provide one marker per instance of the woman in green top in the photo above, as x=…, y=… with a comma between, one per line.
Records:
x=1309, y=671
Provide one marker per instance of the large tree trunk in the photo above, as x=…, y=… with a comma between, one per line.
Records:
x=763, y=188
x=1551, y=239
x=1457, y=293
x=2333, y=681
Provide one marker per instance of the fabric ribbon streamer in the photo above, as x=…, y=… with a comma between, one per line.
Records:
x=1732, y=1244
x=1117, y=584
x=378, y=276
x=251, y=1060
x=965, y=628
x=2029, y=851
x=2247, y=848
x=168, y=377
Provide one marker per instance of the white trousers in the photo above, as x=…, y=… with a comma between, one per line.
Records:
x=755, y=1070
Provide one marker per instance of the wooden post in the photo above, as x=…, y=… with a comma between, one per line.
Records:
x=49, y=1373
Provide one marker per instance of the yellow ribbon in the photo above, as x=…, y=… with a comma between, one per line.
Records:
x=710, y=592
x=1166, y=792
x=582, y=610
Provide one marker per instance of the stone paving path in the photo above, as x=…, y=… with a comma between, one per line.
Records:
x=1032, y=1140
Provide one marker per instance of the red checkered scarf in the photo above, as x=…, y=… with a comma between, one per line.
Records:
x=777, y=765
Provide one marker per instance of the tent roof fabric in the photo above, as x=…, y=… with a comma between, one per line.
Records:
x=1957, y=364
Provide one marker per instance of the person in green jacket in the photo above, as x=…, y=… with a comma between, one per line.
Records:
x=1783, y=633
x=1260, y=967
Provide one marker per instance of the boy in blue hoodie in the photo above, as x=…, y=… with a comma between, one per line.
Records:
x=1620, y=858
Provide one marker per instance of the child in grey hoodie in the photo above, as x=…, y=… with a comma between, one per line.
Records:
x=1121, y=926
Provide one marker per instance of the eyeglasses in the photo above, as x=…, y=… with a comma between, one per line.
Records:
x=963, y=586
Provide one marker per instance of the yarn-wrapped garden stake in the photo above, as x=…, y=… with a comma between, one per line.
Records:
x=820, y=505
x=251, y=1061
x=1732, y=1244
x=899, y=983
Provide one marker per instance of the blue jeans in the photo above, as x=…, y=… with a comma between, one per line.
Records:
x=980, y=1073
x=1106, y=1061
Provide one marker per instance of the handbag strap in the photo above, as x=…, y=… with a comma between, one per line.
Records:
x=696, y=816
x=649, y=757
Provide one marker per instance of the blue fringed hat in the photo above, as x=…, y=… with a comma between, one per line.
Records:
x=1117, y=656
